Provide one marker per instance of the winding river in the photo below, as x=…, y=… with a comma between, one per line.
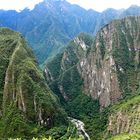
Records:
x=80, y=127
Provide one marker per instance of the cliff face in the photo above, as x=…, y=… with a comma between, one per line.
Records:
x=109, y=67
x=22, y=84
x=124, y=118
x=106, y=69
x=112, y=67
x=62, y=71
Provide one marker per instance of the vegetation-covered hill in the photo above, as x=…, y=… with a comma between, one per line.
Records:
x=27, y=105
x=92, y=75
x=96, y=78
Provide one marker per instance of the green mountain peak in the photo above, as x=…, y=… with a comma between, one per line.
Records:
x=24, y=95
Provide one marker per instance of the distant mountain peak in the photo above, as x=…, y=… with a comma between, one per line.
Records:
x=53, y=2
x=134, y=6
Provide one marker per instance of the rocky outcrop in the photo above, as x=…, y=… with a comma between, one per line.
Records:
x=124, y=118
x=115, y=53
x=109, y=66
x=108, y=70
x=66, y=67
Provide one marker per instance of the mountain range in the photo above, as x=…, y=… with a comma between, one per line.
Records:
x=89, y=87
x=52, y=24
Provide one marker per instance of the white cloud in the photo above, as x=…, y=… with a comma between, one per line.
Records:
x=98, y=5
x=18, y=4
x=101, y=5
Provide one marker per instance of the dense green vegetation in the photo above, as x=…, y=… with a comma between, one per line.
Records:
x=76, y=103
x=87, y=110
x=126, y=103
x=129, y=108
x=125, y=58
x=126, y=137
x=28, y=108
x=67, y=81
x=82, y=107
x=13, y=124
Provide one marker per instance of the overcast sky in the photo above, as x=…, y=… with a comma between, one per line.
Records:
x=98, y=5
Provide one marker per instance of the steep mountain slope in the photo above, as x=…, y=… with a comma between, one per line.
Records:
x=63, y=68
x=112, y=66
x=106, y=69
x=52, y=24
x=25, y=99
x=125, y=119
x=65, y=80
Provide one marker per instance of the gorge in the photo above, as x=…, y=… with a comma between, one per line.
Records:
x=105, y=68
x=85, y=82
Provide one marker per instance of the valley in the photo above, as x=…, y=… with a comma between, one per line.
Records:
x=67, y=73
x=95, y=77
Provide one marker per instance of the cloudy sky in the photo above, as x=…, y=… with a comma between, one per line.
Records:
x=98, y=5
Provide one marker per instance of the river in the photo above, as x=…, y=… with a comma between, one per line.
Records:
x=80, y=127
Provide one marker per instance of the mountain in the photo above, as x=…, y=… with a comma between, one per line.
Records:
x=49, y=26
x=53, y=23
x=97, y=79
x=113, y=63
x=124, y=119
x=26, y=103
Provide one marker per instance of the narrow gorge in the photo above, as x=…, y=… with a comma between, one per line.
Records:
x=105, y=68
x=67, y=73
